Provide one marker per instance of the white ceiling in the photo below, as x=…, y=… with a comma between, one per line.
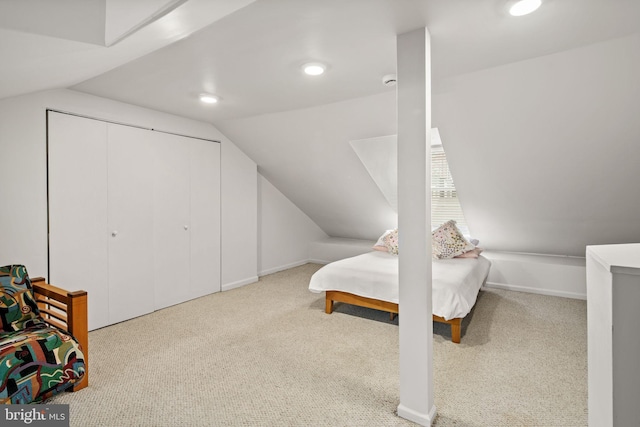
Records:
x=297, y=128
x=102, y=22
x=251, y=57
x=37, y=56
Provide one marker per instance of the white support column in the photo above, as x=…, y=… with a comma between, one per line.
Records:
x=414, y=225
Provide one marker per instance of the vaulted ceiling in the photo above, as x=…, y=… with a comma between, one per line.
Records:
x=249, y=52
x=298, y=128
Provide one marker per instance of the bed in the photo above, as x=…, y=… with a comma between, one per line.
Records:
x=371, y=280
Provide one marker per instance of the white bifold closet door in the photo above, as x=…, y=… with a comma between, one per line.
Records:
x=78, y=221
x=134, y=216
x=186, y=218
x=172, y=221
x=206, y=253
x=130, y=222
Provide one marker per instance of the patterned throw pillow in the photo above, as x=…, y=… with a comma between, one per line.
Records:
x=391, y=242
x=380, y=246
x=18, y=308
x=447, y=241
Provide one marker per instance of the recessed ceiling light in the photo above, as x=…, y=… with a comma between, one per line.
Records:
x=314, y=68
x=209, y=99
x=524, y=7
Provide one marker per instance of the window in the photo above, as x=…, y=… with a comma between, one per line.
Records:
x=444, y=197
x=379, y=157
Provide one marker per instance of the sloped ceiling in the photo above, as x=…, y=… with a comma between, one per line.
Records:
x=306, y=154
x=101, y=22
x=69, y=48
x=524, y=105
x=79, y=20
x=545, y=152
x=379, y=156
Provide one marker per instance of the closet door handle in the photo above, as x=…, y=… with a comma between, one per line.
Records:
x=114, y=233
x=186, y=227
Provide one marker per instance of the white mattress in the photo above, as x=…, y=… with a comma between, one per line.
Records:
x=456, y=282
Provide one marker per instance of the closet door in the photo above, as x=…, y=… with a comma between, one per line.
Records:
x=171, y=219
x=77, y=185
x=134, y=216
x=130, y=222
x=205, y=217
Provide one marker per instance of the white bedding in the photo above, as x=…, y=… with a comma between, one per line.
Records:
x=456, y=282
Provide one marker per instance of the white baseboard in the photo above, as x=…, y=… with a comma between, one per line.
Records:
x=282, y=267
x=319, y=261
x=539, y=274
x=237, y=284
x=539, y=291
x=417, y=417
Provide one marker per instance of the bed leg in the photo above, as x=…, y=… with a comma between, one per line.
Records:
x=328, y=308
x=392, y=316
x=455, y=330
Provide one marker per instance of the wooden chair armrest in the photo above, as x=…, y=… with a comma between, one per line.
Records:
x=65, y=310
x=40, y=286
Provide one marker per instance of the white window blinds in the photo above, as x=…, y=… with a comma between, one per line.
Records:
x=444, y=197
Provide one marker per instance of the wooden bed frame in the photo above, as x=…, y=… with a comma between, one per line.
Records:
x=67, y=311
x=339, y=296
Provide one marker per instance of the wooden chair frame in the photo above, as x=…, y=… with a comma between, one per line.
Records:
x=67, y=311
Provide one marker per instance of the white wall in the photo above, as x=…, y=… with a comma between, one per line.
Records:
x=23, y=217
x=239, y=218
x=538, y=274
x=545, y=152
x=23, y=176
x=285, y=231
x=324, y=251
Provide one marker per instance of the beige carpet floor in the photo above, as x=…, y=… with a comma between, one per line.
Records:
x=266, y=354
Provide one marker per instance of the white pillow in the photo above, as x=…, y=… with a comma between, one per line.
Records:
x=473, y=253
